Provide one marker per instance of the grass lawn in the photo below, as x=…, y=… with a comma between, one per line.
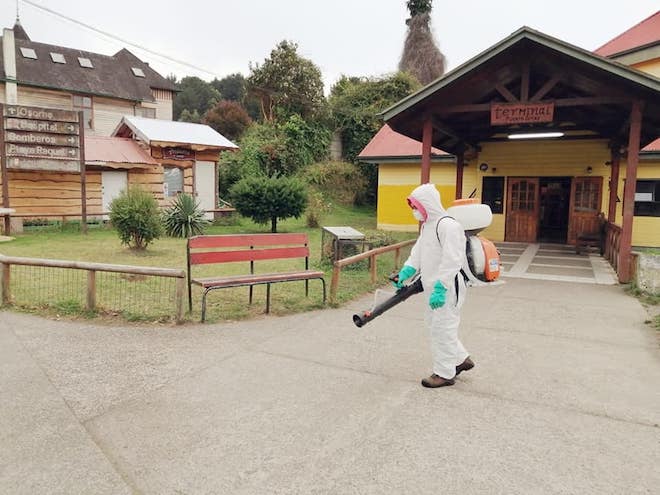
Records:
x=134, y=298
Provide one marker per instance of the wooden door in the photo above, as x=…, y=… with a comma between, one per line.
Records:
x=522, y=212
x=206, y=187
x=586, y=197
x=112, y=184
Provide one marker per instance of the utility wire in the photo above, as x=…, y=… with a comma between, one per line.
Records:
x=117, y=38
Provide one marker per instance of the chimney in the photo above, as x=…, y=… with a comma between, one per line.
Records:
x=9, y=58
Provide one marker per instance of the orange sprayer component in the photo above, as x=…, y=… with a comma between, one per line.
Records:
x=492, y=265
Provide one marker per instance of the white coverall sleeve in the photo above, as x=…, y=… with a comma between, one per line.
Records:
x=414, y=259
x=452, y=245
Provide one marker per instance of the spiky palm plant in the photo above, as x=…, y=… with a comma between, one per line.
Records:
x=184, y=218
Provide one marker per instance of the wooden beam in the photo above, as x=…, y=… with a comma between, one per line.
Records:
x=614, y=184
x=524, y=83
x=448, y=131
x=508, y=95
x=545, y=89
x=460, y=161
x=591, y=100
x=625, y=246
x=427, y=139
x=83, y=176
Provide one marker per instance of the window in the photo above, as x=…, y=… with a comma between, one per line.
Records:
x=29, y=53
x=147, y=113
x=647, y=198
x=85, y=62
x=84, y=103
x=58, y=58
x=137, y=72
x=492, y=193
x=172, y=181
x=587, y=197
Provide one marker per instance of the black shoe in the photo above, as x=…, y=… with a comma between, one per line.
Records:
x=435, y=381
x=466, y=365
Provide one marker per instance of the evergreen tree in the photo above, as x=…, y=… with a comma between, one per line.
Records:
x=421, y=57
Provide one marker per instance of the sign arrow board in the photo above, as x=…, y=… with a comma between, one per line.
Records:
x=41, y=126
x=41, y=151
x=25, y=137
x=48, y=114
x=28, y=163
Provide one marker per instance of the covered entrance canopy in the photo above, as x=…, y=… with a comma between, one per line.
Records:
x=532, y=83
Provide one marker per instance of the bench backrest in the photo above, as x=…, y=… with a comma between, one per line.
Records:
x=205, y=249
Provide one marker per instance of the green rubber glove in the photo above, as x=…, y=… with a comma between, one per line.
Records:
x=404, y=274
x=437, y=299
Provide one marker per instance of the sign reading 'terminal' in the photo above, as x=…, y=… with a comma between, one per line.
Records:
x=521, y=113
x=41, y=139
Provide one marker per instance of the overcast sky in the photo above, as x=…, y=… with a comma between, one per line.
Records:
x=352, y=37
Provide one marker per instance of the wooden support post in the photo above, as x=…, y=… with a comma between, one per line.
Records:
x=83, y=175
x=178, y=303
x=460, y=162
x=334, y=283
x=625, y=246
x=427, y=141
x=397, y=257
x=6, y=278
x=374, y=271
x=91, y=290
x=614, y=184
x=3, y=171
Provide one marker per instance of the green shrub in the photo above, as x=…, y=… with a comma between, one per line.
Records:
x=341, y=181
x=317, y=207
x=135, y=215
x=266, y=199
x=184, y=218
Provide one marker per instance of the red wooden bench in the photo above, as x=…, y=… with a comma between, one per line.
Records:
x=216, y=249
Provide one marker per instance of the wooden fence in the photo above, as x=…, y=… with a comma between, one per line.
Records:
x=371, y=256
x=6, y=262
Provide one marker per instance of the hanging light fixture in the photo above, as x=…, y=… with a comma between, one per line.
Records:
x=536, y=135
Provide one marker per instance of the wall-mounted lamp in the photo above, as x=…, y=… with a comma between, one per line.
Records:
x=483, y=167
x=494, y=170
x=590, y=169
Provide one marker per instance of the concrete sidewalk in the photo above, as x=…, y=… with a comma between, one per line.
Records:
x=565, y=399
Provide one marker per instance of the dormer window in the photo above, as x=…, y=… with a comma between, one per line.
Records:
x=58, y=58
x=28, y=53
x=85, y=62
x=137, y=72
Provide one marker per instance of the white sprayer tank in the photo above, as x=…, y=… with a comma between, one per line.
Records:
x=472, y=215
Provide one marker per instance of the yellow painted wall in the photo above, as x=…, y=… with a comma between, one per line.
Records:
x=395, y=183
x=511, y=159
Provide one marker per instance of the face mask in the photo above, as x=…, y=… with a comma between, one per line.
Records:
x=418, y=215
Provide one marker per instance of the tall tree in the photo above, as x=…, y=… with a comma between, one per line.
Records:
x=421, y=56
x=232, y=87
x=229, y=118
x=194, y=95
x=287, y=84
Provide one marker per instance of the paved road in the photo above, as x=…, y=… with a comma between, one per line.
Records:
x=564, y=399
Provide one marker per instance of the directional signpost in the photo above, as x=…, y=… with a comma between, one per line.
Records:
x=45, y=139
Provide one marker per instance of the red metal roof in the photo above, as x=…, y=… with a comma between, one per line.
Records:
x=388, y=143
x=115, y=150
x=644, y=33
x=653, y=147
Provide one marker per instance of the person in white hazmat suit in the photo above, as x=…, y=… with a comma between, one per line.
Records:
x=439, y=255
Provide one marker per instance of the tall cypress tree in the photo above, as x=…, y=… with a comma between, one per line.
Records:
x=421, y=56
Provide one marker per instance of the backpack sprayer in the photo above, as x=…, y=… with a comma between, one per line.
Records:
x=482, y=255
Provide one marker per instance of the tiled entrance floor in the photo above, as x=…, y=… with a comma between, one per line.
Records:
x=554, y=262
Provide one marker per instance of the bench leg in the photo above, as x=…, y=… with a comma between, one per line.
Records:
x=323, y=283
x=267, y=298
x=204, y=304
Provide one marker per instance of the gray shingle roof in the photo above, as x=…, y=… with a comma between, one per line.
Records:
x=111, y=75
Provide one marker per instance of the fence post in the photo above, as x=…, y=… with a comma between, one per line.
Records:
x=91, y=290
x=178, y=303
x=6, y=295
x=397, y=257
x=334, y=283
x=372, y=260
